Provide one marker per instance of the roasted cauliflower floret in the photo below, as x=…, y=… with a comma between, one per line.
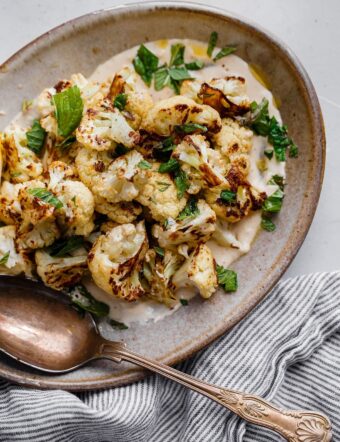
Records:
x=191, y=89
x=43, y=102
x=116, y=259
x=158, y=192
x=226, y=236
x=233, y=139
x=22, y=163
x=109, y=179
x=59, y=171
x=12, y=262
x=59, y=273
x=194, y=151
x=157, y=273
x=121, y=213
x=178, y=110
x=91, y=92
x=246, y=198
x=138, y=99
x=190, y=230
x=10, y=209
x=101, y=129
x=198, y=271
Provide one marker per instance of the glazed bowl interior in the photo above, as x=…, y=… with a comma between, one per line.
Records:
x=82, y=44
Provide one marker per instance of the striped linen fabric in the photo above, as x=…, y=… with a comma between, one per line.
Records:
x=287, y=350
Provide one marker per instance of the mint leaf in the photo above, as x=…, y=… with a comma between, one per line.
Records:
x=179, y=74
x=143, y=164
x=160, y=251
x=45, y=195
x=145, y=64
x=227, y=279
x=224, y=52
x=120, y=101
x=177, y=54
x=181, y=182
x=4, y=258
x=273, y=203
x=83, y=299
x=190, y=128
x=68, y=110
x=161, y=78
x=170, y=166
x=63, y=247
x=163, y=186
x=36, y=137
x=278, y=180
x=212, y=43
x=184, y=301
x=267, y=224
x=195, y=65
x=227, y=196
x=190, y=210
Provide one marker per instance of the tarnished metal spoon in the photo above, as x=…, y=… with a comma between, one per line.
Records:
x=39, y=328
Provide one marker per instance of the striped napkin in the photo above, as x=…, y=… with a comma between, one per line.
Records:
x=287, y=350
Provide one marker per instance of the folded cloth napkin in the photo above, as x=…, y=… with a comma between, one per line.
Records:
x=287, y=350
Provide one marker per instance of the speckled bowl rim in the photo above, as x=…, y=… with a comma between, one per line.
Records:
x=294, y=241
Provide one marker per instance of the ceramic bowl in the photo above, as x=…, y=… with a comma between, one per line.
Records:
x=79, y=46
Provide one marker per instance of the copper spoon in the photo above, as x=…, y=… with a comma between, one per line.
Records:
x=39, y=328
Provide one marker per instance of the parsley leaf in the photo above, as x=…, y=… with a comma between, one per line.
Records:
x=83, y=299
x=227, y=279
x=177, y=54
x=263, y=124
x=190, y=128
x=46, y=196
x=273, y=203
x=195, y=65
x=118, y=325
x=145, y=64
x=160, y=251
x=36, y=137
x=190, y=210
x=224, y=52
x=143, y=164
x=212, y=43
x=184, y=301
x=68, y=110
x=4, y=258
x=170, y=166
x=63, y=247
x=181, y=182
x=227, y=196
x=120, y=101
x=267, y=224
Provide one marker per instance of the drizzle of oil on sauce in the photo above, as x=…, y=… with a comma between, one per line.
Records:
x=162, y=43
x=199, y=50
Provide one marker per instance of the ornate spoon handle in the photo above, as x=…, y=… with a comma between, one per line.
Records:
x=295, y=426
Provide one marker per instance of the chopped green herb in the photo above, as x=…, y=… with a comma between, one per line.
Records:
x=120, y=150
x=267, y=224
x=163, y=186
x=181, y=182
x=15, y=174
x=118, y=325
x=212, y=43
x=170, y=166
x=144, y=165
x=66, y=143
x=269, y=153
x=168, y=144
x=227, y=279
x=273, y=203
x=224, y=52
x=195, y=65
x=184, y=301
x=160, y=251
x=190, y=210
x=166, y=224
x=145, y=64
x=63, y=247
x=68, y=110
x=177, y=54
x=26, y=104
x=45, y=195
x=83, y=299
x=263, y=124
x=36, y=137
x=278, y=180
x=227, y=196
x=161, y=78
x=190, y=128
x=180, y=74
x=4, y=258
x=120, y=101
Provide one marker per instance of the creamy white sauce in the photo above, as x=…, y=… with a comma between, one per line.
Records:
x=245, y=230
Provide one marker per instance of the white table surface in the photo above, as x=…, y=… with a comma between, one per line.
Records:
x=310, y=27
